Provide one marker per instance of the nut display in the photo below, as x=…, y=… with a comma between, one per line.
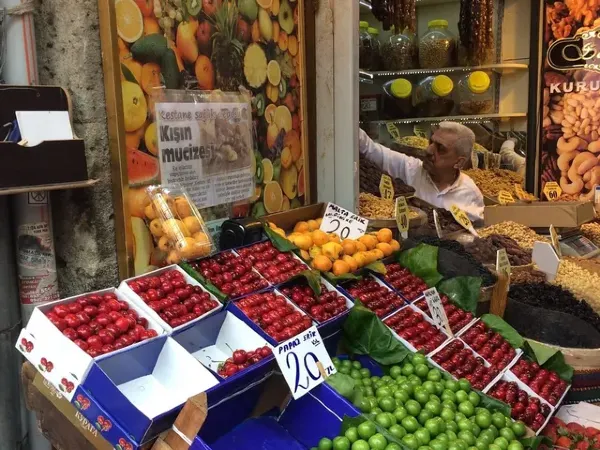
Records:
x=581, y=282
x=437, y=47
x=410, y=324
x=527, y=275
x=374, y=207
x=523, y=235
x=399, y=53
x=414, y=141
x=370, y=175
x=446, y=220
x=491, y=181
x=176, y=224
x=591, y=231
x=485, y=250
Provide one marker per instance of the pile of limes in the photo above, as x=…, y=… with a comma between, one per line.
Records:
x=418, y=407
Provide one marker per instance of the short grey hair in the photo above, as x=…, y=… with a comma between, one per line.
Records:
x=465, y=138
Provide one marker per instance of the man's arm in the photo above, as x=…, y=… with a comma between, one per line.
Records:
x=397, y=164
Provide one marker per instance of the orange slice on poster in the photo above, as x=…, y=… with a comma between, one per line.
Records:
x=130, y=23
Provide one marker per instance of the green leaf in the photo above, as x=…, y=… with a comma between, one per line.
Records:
x=497, y=324
x=534, y=442
x=493, y=404
x=463, y=291
x=549, y=358
x=313, y=278
x=128, y=74
x=337, y=279
x=422, y=262
x=280, y=243
x=221, y=296
x=557, y=364
x=365, y=334
x=377, y=267
x=343, y=384
x=349, y=422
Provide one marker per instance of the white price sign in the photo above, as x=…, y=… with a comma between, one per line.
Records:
x=436, y=308
x=342, y=222
x=304, y=362
x=502, y=262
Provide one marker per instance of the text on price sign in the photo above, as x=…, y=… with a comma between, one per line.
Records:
x=402, y=217
x=386, y=187
x=552, y=191
x=342, y=222
x=436, y=308
x=304, y=362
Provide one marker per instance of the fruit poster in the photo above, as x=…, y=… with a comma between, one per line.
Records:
x=570, y=116
x=218, y=46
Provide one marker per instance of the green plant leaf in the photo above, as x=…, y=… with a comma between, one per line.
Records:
x=422, y=262
x=343, y=384
x=462, y=291
x=365, y=334
x=557, y=364
x=337, y=279
x=128, y=74
x=549, y=358
x=221, y=296
x=313, y=278
x=504, y=329
x=493, y=404
x=349, y=422
x=377, y=267
x=280, y=243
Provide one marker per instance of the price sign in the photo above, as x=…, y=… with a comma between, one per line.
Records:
x=436, y=221
x=419, y=131
x=555, y=241
x=461, y=217
x=393, y=130
x=552, y=191
x=386, y=187
x=521, y=194
x=502, y=262
x=342, y=222
x=402, y=217
x=304, y=362
x=436, y=308
x=505, y=197
x=544, y=256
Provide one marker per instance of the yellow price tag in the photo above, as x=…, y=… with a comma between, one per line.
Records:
x=461, y=217
x=521, y=194
x=386, y=187
x=505, y=197
x=555, y=241
x=402, y=217
x=502, y=262
x=419, y=131
x=393, y=130
x=552, y=191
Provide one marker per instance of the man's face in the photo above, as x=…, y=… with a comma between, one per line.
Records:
x=441, y=157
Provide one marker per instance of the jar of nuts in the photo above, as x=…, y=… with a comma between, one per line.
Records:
x=433, y=96
x=437, y=48
x=397, y=101
x=365, y=47
x=474, y=95
x=399, y=52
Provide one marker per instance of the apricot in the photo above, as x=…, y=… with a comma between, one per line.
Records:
x=384, y=235
x=352, y=263
x=156, y=228
x=322, y=263
x=395, y=245
x=340, y=267
x=192, y=224
x=385, y=248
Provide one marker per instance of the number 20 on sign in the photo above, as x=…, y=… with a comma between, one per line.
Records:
x=304, y=362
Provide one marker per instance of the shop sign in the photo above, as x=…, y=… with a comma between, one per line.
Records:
x=386, y=187
x=436, y=308
x=342, y=222
x=304, y=362
x=578, y=52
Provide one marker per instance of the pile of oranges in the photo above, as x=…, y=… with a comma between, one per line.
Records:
x=326, y=252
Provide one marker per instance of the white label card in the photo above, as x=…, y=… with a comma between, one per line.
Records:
x=304, y=362
x=544, y=256
x=342, y=222
x=502, y=262
x=436, y=308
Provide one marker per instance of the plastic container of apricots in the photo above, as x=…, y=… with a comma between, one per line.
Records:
x=176, y=225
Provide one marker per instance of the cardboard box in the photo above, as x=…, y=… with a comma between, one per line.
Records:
x=59, y=359
x=541, y=214
x=288, y=219
x=128, y=292
x=144, y=388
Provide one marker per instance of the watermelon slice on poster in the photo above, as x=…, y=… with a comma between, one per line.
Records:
x=142, y=168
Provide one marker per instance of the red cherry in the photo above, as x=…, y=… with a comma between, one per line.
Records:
x=123, y=324
x=61, y=311
x=94, y=342
x=70, y=333
x=81, y=344
x=72, y=321
x=84, y=331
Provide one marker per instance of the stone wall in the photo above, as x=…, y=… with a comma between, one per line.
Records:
x=68, y=48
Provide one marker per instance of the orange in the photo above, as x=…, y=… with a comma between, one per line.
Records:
x=384, y=235
x=134, y=67
x=303, y=241
x=204, y=73
x=151, y=138
x=313, y=225
x=292, y=45
x=322, y=263
x=283, y=41
x=273, y=197
x=255, y=32
x=130, y=24
x=135, y=108
x=340, y=267
x=275, y=26
x=292, y=141
x=360, y=247
x=395, y=245
x=378, y=254
x=151, y=26
x=360, y=258
x=385, y=248
x=304, y=255
x=150, y=77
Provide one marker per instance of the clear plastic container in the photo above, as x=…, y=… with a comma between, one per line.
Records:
x=365, y=47
x=399, y=52
x=433, y=96
x=437, y=48
x=473, y=95
x=397, y=100
x=376, y=48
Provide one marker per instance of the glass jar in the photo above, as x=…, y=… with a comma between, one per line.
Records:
x=376, y=48
x=474, y=95
x=433, y=96
x=399, y=52
x=365, y=46
x=397, y=99
x=437, y=48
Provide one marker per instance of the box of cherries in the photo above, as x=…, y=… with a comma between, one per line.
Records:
x=170, y=296
x=375, y=295
x=62, y=338
x=415, y=330
x=277, y=267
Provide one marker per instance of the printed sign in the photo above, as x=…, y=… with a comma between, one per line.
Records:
x=207, y=148
x=502, y=262
x=552, y=190
x=342, y=222
x=521, y=194
x=368, y=104
x=436, y=309
x=393, y=130
x=505, y=197
x=386, y=187
x=555, y=241
x=461, y=217
x=304, y=362
x=419, y=131
x=402, y=217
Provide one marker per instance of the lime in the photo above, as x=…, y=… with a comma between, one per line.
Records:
x=464, y=424
x=421, y=370
x=325, y=444
x=438, y=445
x=401, y=396
x=397, y=431
x=411, y=442
x=410, y=424
x=355, y=373
x=366, y=430
x=494, y=430
x=408, y=369
x=406, y=386
x=376, y=410
x=515, y=445
x=419, y=358
x=341, y=443
x=451, y=426
x=443, y=437
x=383, y=419
x=433, y=426
x=383, y=392
x=421, y=395
x=429, y=386
x=412, y=407
x=378, y=442
x=467, y=436
x=449, y=404
x=464, y=384
x=387, y=379
x=363, y=405
x=474, y=398
x=360, y=445
x=451, y=435
x=452, y=385
x=352, y=434
x=462, y=396
x=466, y=408
x=424, y=416
x=387, y=404
x=487, y=436
x=494, y=447
x=400, y=413
x=434, y=375
x=393, y=446
x=365, y=373
x=434, y=407
x=336, y=361
x=395, y=372
x=449, y=395
x=375, y=378
x=345, y=370
x=423, y=436
x=507, y=433
x=475, y=429
x=483, y=420
x=501, y=442
x=481, y=444
x=367, y=382
x=356, y=365
x=518, y=428
x=447, y=414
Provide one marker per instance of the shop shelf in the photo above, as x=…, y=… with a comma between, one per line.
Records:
x=48, y=187
x=479, y=118
x=365, y=5
x=498, y=68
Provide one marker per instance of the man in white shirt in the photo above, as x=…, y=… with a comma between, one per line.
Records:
x=437, y=179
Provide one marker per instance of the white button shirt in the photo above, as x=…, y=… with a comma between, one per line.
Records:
x=463, y=192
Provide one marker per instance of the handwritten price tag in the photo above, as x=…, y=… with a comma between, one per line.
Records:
x=436, y=308
x=552, y=191
x=386, y=187
x=342, y=222
x=393, y=130
x=555, y=241
x=505, y=197
x=419, y=131
x=461, y=217
x=502, y=262
x=304, y=362
x=402, y=217
x=521, y=194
